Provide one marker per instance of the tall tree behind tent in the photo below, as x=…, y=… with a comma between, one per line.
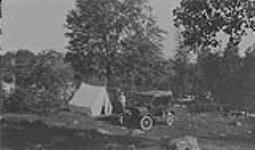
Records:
x=104, y=34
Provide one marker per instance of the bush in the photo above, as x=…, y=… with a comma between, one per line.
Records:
x=43, y=82
x=28, y=101
x=17, y=102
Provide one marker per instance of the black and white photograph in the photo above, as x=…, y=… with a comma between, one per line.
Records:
x=127, y=74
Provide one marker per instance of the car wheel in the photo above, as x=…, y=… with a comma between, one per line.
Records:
x=169, y=119
x=146, y=123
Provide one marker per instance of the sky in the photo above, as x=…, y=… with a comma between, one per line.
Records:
x=38, y=24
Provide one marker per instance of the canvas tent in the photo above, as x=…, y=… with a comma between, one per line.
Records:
x=95, y=98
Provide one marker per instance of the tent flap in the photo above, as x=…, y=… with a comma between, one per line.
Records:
x=93, y=97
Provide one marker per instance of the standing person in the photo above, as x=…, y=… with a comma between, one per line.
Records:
x=122, y=101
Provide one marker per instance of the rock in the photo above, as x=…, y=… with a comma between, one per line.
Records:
x=113, y=146
x=132, y=147
x=136, y=132
x=222, y=135
x=183, y=143
x=124, y=128
x=75, y=122
x=249, y=132
x=103, y=131
x=177, y=106
x=38, y=146
x=81, y=134
x=184, y=106
x=238, y=123
x=59, y=124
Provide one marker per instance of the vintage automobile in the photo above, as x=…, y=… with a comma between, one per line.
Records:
x=148, y=108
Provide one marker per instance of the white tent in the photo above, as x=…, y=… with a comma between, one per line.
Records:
x=95, y=98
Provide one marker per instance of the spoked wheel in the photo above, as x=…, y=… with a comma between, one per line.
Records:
x=169, y=119
x=146, y=123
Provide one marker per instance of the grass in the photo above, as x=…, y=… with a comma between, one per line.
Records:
x=67, y=130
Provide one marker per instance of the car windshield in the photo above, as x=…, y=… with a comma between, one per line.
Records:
x=161, y=101
x=154, y=98
x=143, y=100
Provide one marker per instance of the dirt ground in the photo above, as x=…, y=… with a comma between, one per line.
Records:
x=64, y=131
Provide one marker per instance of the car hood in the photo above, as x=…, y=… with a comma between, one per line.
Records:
x=140, y=109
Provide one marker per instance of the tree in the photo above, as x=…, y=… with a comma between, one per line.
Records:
x=249, y=69
x=42, y=81
x=103, y=34
x=187, y=74
x=6, y=73
x=50, y=79
x=201, y=20
x=23, y=66
x=141, y=65
x=222, y=73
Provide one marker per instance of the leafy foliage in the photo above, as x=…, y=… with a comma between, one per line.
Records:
x=141, y=67
x=113, y=40
x=203, y=19
x=41, y=81
x=224, y=72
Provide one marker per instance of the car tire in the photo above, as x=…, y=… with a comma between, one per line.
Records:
x=146, y=123
x=169, y=119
